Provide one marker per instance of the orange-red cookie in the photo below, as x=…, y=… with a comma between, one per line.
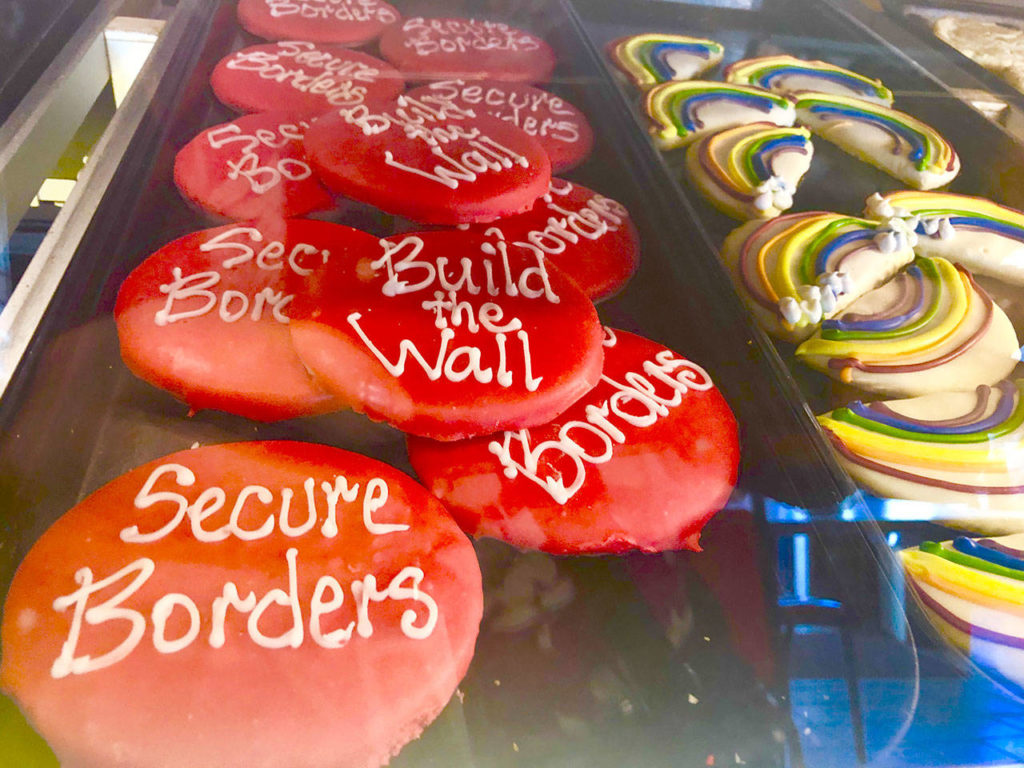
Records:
x=449, y=334
x=642, y=461
x=433, y=164
x=250, y=605
x=588, y=236
x=560, y=128
x=206, y=316
x=472, y=49
x=302, y=79
x=251, y=168
x=348, y=22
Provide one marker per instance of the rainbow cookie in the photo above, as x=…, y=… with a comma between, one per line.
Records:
x=653, y=58
x=886, y=138
x=930, y=329
x=685, y=111
x=750, y=171
x=794, y=270
x=985, y=237
x=972, y=591
x=949, y=447
x=789, y=75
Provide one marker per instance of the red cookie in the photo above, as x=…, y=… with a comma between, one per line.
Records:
x=442, y=49
x=302, y=79
x=251, y=168
x=433, y=164
x=348, y=22
x=206, y=317
x=250, y=605
x=560, y=128
x=449, y=334
x=588, y=236
x=640, y=462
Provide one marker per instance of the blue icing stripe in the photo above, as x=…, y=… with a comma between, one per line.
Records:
x=1002, y=412
x=658, y=53
x=1008, y=230
x=837, y=77
x=821, y=263
x=893, y=126
x=888, y=323
x=752, y=100
x=770, y=147
x=975, y=549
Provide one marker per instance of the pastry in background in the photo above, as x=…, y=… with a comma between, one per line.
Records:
x=929, y=329
x=897, y=143
x=789, y=75
x=750, y=171
x=684, y=111
x=652, y=58
x=996, y=45
x=984, y=236
x=346, y=22
x=797, y=269
x=641, y=461
x=956, y=447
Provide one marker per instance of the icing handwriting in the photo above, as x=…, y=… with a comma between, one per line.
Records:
x=337, y=10
x=328, y=597
x=635, y=401
x=250, y=166
x=432, y=36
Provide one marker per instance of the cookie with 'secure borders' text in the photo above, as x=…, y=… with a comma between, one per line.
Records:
x=346, y=22
x=251, y=168
x=430, y=163
x=449, y=334
x=642, y=461
x=206, y=316
x=248, y=605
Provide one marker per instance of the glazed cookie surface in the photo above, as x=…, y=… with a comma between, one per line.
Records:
x=750, y=171
x=930, y=329
x=799, y=268
x=301, y=78
x=249, y=605
x=346, y=22
x=641, y=461
x=946, y=447
x=984, y=236
x=684, y=111
x=653, y=58
x=897, y=143
x=790, y=75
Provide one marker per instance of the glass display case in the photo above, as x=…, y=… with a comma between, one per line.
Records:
x=791, y=638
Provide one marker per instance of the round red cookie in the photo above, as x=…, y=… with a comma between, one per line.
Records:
x=588, y=236
x=640, y=462
x=560, y=128
x=301, y=78
x=206, y=316
x=449, y=334
x=432, y=164
x=250, y=605
x=471, y=49
x=251, y=168
x=348, y=22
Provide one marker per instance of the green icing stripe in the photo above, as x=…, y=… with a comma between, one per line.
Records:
x=807, y=274
x=934, y=548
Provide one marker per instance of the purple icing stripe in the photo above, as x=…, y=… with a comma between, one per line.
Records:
x=963, y=425
x=910, y=304
x=983, y=392
x=966, y=627
x=999, y=547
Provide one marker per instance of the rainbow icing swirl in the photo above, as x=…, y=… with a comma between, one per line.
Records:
x=924, y=149
x=655, y=58
x=790, y=75
x=752, y=167
x=972, y=590
x=682, y=111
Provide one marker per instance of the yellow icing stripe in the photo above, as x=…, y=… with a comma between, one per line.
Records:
x=871, y=350
x=982, y=456
x=969, y=584
x=787, y=265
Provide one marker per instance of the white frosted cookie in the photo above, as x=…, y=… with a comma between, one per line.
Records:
x=787, y=74
x=684, y=111
x=652, y=58
x=945, y=447
x=750, y=171
x=897, y=143
x=985, y=237
x=931, y=329
x=799, y=268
